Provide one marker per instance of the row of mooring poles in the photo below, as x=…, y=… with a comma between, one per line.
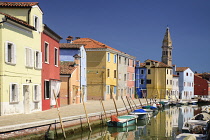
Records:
x=132, y=107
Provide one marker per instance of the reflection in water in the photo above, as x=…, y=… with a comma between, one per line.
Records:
x=164, y=126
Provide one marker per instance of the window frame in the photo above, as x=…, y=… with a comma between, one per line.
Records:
x=56, y=56
x=107, y=89
x=46, y=52
x=108, y=73
x=36, y=23
x=29, y=57
x=115, y=58
x=36, y=97
x=16, y=95
x=47, y=96
x=108, y=57
x=38, y=59
x=10, y=55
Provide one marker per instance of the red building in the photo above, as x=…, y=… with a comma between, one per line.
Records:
x=202, y=86
x=50, y=68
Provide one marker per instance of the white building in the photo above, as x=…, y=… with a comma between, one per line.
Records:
x=186, y=82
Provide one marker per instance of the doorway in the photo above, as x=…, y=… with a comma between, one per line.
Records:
x=26, y=102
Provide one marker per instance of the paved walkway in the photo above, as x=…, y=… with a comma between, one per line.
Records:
x=92, y=106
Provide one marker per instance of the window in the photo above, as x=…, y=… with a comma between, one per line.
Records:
x=46, y=52
x=38, y=60
x=108, y=57
x=29, y=57
x=108, y=89
x=133, y=77
x=36, y=23
x=167, y=71
x=170, y=72
x=170, y=82
x=115, y=73
x=141, y=81
x=148, y=71
x=36, y=92
x=119, y=60
x=133, y=63
x=120, y=76
x=115, y=89
x=177, y=73
x=108, y=73
x=10, y=53
x=115, y=58
x=187, y=74
x=149, y=81
x=124, y=77
x=128, y=62
x=142, y=71
x=167, y=82
x=128, y=76
x=147, y=63
x=125, y=61
x=47, y=89
x=13, y=92
x=56, y=56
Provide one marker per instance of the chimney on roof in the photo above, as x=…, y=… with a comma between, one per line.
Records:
x=69, y=39
x=77, y=37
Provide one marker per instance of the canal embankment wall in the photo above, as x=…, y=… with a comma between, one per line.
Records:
x=73, y=118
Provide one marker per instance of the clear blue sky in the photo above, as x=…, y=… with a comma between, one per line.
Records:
x=137, y=27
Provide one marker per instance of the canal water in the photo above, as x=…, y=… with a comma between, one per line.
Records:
x=164, y=126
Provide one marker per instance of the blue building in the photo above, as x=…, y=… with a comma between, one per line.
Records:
x=67, y=52
x=141, y=78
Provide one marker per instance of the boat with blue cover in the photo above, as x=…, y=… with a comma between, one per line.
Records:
x=122, y=121
x=142, y=114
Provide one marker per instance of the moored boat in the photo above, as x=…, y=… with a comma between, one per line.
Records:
x=122, y=121
x=199, y=124
x=142, y=114
x=188, y=136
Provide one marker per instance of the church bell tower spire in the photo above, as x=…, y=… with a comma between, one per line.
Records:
x=167, y=48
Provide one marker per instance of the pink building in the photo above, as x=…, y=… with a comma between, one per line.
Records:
x=131, y=78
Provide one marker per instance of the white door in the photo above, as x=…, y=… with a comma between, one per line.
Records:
x=26, y=99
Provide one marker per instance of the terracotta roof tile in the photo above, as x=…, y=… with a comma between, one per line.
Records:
x=70, y=45
x=18, y=4
x=67, y=67
x=181, y=68
x=91, y=44
x=22, y=22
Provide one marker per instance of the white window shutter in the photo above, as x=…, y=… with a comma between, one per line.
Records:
x=17, y=93
x=6, y=51
x=40, y=60
x=26, y=56
x=14, y=54
x=31, y=58
x=10, y=92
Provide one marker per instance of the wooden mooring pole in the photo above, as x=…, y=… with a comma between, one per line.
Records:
x=61, y=122
x=114, y=103
x=124, y=104
x=134, y=102
x=103, y=109
x=129, y=103
x=86, y=114
x=140, y=101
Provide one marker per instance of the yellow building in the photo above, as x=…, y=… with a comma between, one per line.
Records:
x=20, y=74
x=159, y=79
x=101, y=69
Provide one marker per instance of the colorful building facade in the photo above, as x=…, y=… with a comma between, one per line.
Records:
x=186, y=82
x=21, y=27
x=140, y=80
x=50, y=68
x=159, y=79
x=69, y=53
